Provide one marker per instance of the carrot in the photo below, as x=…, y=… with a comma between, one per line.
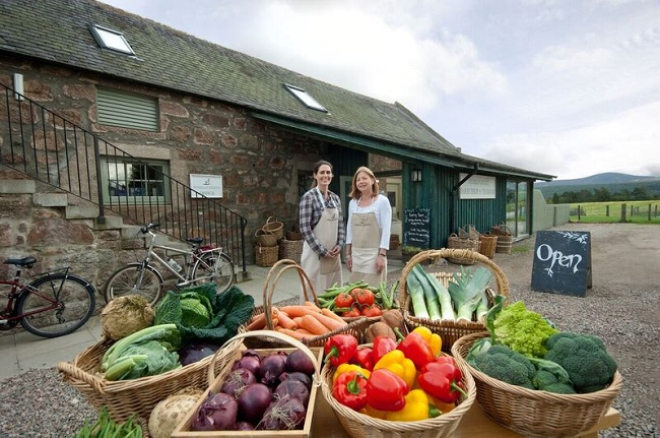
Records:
x=330, y=323
x=293, y=333
x=298, y=310
x=257, y=323
x=304, y=332
x=297, y=320
x=309, y=322
x=329, y=313
x=286, y=321
x=312, y=305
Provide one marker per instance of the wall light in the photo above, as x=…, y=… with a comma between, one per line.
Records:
x=416, y=175
x=18, y=86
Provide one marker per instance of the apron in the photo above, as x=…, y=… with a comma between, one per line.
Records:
x=364, y=250
x=326, y=271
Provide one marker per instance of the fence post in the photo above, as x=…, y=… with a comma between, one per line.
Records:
x=649, y=212
x=623, y=212
x=607, y=211
x=579, y=211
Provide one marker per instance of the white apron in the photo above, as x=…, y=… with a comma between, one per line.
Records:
x=326, y=271
x=365, y=248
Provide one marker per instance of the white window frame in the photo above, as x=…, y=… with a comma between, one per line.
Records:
x=116, y=179
x=111, y=39
x=305, y=98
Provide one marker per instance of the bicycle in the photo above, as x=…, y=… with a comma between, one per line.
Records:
x=204, y=263
x=56, y=303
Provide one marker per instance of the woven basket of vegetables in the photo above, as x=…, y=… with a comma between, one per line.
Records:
x=450, y=304
x=535, y=412
x=131, y=375
x=308, y=322
x=366, y=421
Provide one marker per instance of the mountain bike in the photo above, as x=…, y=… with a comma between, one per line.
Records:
x=201, y=264
x=56, y=303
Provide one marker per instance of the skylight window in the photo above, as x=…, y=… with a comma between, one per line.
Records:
x=305, y=98
x=111, y=39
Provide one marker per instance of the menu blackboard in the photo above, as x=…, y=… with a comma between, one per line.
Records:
x=562, y=262
x=417, y=227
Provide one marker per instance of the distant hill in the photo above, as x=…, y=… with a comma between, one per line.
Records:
x=613, y=182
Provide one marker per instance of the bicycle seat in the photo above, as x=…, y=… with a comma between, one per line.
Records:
x=195, y=240
x=25, y=261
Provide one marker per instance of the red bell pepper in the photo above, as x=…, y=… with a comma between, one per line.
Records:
x=350, y=389
x=442, y=381
x=386, y=391
x=340, y=349
x=364, y=358
x=415, y=348
x=382, y=346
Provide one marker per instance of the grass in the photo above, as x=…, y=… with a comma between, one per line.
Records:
x=609, y=212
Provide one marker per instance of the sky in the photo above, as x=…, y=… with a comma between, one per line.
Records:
x=569, y=88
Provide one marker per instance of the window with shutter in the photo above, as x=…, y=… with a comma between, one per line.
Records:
x=128, y=110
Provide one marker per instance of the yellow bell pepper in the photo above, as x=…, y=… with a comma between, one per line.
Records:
x=375, y=413
x=432, y=339
x=345, y=367
x=400, y=365
x=442, y=406
x=418, y=407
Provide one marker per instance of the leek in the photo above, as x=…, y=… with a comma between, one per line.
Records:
x=446, y=306
x=467, y=291
x=482, y=308
x=416, y=296
x=431, y=299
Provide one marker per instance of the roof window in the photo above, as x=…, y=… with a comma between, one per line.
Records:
x=305, y=98
x=111, y=39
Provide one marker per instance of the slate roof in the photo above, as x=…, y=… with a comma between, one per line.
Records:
x=57, y=31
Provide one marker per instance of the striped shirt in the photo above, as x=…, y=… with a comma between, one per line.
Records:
x=311, y=209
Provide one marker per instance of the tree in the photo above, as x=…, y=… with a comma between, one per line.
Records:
x=601, y=194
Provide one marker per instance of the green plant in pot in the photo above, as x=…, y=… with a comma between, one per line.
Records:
x=408, y=252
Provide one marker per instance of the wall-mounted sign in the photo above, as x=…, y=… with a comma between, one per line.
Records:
x=477, y=187
x=206, y=185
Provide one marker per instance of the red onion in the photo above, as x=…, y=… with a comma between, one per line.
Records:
x=217, y=412
x=237, y=380
x=299, y=361
x=283, y=414
x=271, y=367
x=253, y=402
x=294, y=388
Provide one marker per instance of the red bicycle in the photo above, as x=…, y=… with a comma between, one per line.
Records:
x=56, y=303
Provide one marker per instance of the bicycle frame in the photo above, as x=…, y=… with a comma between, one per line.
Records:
x=17, y=288
x=194, y=253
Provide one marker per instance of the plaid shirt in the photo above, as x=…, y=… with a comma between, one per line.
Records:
x=310, y=214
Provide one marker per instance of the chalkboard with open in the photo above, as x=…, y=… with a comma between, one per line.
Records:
x=417, y=227
x=562, y=262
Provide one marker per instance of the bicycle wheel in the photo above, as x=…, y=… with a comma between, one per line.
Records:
x=215, y=267
x=134, y=279
x=73, y=297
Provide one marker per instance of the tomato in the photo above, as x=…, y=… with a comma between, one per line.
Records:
x=353, y=313
x=370, y=311
x=344, y=300
x=364, y=297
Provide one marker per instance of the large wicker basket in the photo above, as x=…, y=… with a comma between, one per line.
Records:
x=536, y=413
x=361, y=426
x=456, y=242
x=124, y=397
x=266, y=256
x=488, y=244
x=265, y=238
x=291, y=249
x=449, y=331
x=355, y=328
x=274, y=226
x=216, y=379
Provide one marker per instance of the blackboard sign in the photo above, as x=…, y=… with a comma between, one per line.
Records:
x=417, y=227
x=562, y=262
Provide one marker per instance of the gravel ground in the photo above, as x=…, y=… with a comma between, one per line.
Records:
x=621, y=308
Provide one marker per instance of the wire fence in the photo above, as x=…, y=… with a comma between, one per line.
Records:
x=634, y=211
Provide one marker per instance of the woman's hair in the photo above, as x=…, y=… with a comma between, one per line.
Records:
x=317, y=166
x=355, y=192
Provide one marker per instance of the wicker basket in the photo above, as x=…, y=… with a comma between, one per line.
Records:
x=449, y=331
x=124, y=397
x=456, y=242
x=535, y=413
x=265, y=238
x=216, y=379
x=266, y=255
x=291, y=249
x=360, y=425
x=356, y=328
x=488, y=244
x=275, y=227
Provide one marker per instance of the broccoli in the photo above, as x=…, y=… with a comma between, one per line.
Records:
x=502, y=363
x=560, y=388
x=521, y=329
x=545, y=380
x=585, y=359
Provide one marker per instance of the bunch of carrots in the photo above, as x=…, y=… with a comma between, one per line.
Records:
x=299, y=321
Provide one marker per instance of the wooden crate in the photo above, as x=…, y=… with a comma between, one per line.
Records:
x=183, y=429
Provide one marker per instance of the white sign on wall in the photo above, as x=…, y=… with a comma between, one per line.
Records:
x=207, y=185
x=477, y=187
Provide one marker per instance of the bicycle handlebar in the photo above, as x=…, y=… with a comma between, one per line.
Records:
x=145, y=228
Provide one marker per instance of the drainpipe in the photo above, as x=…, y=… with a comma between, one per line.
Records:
x=454, y=197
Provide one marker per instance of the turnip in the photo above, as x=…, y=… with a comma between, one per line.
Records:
x=169, y=412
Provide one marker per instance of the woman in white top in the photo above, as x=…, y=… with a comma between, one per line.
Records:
x=368, y=229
